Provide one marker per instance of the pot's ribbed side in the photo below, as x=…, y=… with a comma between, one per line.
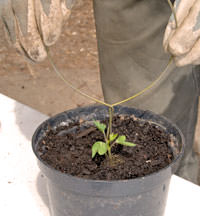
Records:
x=71, y=196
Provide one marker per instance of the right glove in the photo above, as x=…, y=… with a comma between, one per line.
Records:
x=183, y=42
x=33, y=24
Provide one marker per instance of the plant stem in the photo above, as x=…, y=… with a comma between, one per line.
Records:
x=105, y=137
x=111, y=110
x=109, y=153
x=112, y=144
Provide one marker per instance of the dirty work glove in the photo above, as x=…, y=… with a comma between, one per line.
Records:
x=33, y=24
x=184, y=43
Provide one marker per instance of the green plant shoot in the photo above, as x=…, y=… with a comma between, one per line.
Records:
x=110, y=140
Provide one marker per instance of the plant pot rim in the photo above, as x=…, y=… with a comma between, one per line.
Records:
x=77, y=179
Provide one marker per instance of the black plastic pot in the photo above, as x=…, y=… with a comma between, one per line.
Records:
x=72, y=196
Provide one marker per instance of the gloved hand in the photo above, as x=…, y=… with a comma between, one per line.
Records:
x=33, y=24
x=183, y=42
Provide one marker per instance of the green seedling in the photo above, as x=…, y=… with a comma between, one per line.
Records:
x=111, y=139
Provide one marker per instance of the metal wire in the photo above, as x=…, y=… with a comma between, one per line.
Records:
x=59, y=74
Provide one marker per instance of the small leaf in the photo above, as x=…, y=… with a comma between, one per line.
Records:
x=128, y=144
x=100, y=126
x=94, y=149
x=102, y=148
x=112, y=137
x=99, y=147
x=122, y=140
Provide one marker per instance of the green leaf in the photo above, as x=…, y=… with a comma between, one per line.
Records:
x=100, y=126
x=128, y=144
x=112, y=137
x=122, y=140
x=94, y=149
x=100, y=148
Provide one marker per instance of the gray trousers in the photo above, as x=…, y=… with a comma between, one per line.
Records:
x=131, y=56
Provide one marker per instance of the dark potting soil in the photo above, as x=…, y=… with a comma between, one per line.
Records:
x=70, y=152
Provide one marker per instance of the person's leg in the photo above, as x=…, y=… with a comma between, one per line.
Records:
x=131, y=56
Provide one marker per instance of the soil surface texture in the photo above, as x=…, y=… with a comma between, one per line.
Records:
x=70, y=152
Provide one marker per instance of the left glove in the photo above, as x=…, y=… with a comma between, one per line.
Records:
x=183, y=42
x=33, y=24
